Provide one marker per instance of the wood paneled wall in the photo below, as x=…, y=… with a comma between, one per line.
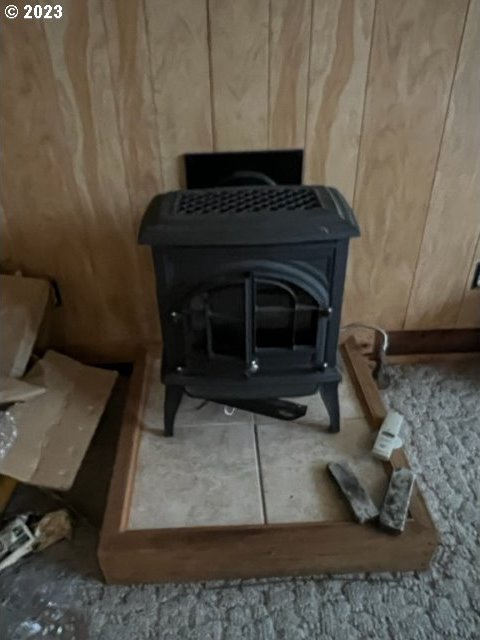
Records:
x=384, y=96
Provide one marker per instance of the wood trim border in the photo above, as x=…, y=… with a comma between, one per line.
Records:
x=432, y=342
x=246, y=551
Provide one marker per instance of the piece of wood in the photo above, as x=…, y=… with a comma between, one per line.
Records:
x=239, y=68
x=340, y=49
x=123, y=476
x=414, y=51
x=289, y=52
x=469, y=312
x=24, y=302
x=453, y=220
x=53, y=430
x=203, y=553
x=428, y=358
x=178, y=43
x=431, y=342
x=364, y=383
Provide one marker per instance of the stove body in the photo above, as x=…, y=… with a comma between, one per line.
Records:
x=250, y=283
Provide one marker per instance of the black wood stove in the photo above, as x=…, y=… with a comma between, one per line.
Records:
x=250, y=282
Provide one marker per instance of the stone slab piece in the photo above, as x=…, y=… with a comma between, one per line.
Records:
x=205, y=475
x=357, y=497
x=394, y=511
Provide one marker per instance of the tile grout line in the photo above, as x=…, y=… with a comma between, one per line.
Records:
x=259, y=469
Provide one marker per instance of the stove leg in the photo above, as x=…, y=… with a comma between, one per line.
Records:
x=329, y=394
x=173, y=396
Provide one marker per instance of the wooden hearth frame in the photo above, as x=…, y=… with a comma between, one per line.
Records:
x=248, y=551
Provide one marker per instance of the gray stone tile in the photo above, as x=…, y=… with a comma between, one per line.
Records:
x=203, y=476
x=293, y=459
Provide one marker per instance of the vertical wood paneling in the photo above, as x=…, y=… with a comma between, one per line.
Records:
x=40, y=196
x=79, y=57
x=340, y=47
x=178, y=41
x=132, y=83
x=289, y=52
x=453, y=221
x=414, y=51
x=98, y=108
x=469, y=311
x=239, y=67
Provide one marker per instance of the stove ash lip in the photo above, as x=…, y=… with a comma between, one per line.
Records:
x=169, y=222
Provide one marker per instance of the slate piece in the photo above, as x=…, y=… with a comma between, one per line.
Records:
x=357, y=497
x=394, y=511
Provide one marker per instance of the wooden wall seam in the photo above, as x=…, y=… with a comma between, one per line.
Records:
x=210, y=78
x=340, y=48
x=453, y=222
x=150, y=81
x=307, y=100
x=415, y=47
x=362, y=125
x=289, y=51
x=440, y=147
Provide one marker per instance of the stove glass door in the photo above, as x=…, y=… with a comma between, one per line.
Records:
x=256, y=318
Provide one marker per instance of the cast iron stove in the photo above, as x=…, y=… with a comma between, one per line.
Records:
x=250, y=283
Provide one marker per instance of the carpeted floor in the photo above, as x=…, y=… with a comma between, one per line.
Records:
x=441, y=404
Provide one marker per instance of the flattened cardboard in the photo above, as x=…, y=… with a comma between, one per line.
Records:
x=55, y=429
x=13, y=390
x=23, y=305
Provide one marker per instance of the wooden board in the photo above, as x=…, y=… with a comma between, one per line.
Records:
x=414, y=52
x=289, y=51
x=340, y=49
x=243, y=551
x=239, y=68
x=453, y=221
x=179, y=65
x=438, y=341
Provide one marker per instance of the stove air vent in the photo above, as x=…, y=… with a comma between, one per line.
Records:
x=230, y=201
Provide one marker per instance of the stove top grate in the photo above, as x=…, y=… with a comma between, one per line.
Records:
x=238, y=200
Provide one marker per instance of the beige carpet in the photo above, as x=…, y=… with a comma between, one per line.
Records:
x=442, y=407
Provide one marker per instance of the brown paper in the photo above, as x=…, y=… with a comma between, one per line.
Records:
x=55, y=429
